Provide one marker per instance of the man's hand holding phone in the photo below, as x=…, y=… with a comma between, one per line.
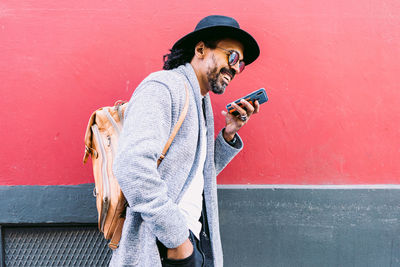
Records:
x=241, y=110
x=234, y=123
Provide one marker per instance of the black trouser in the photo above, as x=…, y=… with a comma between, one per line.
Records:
x=194, y=260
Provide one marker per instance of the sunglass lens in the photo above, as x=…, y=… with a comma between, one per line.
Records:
x=233, y=58
x=241, y=66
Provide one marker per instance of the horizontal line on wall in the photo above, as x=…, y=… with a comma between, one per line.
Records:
x=290, y=186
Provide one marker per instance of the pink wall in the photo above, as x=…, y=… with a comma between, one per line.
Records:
x=331, y=69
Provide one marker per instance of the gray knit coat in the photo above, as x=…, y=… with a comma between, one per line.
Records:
x=153, y=193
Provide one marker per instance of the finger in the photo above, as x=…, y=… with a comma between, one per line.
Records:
x=227, y=114
x=249, y=107
x=241, y=117
x=239, y=109
x=256, y=107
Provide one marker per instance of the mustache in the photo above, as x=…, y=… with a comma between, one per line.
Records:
x=232, y=72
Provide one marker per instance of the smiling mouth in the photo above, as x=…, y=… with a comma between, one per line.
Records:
x=227, y=75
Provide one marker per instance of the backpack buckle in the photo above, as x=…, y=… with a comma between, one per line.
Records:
x=113, y=246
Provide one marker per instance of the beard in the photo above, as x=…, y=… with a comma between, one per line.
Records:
x=215, y=82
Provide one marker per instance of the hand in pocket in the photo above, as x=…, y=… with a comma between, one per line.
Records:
x=181, y=252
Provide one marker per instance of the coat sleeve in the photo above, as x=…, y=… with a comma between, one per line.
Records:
x=147, y=126
x=224, y=152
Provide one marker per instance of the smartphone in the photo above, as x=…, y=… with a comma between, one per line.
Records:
x=259, y=95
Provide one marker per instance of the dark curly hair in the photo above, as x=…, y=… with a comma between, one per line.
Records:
x=181, y=56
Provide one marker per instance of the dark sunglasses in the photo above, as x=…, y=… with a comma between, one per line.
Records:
x=233, y=58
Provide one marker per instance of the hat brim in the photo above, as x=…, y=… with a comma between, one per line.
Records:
x=251, y=48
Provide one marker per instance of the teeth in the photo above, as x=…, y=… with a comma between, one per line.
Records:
x=227, y=75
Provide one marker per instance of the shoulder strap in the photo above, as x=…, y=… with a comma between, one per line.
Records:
x=114, y=242
x=176, y=127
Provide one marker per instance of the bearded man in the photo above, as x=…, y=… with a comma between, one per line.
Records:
x=172, y=217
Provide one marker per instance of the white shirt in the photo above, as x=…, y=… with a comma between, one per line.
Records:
x=192, y=201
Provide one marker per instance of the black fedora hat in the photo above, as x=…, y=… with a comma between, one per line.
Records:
x=216, y=26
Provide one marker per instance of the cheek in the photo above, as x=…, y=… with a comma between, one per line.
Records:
x=212, y=67
x=215, y=63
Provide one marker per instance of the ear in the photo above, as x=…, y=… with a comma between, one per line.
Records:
x=200, y=50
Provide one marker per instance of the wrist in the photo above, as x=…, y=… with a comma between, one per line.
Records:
x=228, y=136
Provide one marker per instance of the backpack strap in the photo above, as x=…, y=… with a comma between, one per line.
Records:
x=114, y=242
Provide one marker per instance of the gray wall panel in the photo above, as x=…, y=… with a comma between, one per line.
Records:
x=47, y=204
x=310, y=227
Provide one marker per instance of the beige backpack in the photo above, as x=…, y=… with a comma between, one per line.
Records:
x=101, y=142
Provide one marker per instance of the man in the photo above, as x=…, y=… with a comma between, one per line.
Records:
x=172, y=218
